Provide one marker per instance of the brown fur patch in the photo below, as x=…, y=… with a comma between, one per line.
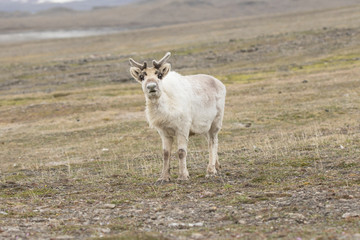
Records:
x=212, y=84
x=151, y=80
x=182, y=153
x=166, y=154
x=151, y=73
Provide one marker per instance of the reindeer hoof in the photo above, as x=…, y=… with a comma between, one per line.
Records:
x=183, y=178
x=163, y=180
x=211, y=173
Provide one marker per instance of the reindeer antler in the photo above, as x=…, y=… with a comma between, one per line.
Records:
x=158, y=64
x=136, y=64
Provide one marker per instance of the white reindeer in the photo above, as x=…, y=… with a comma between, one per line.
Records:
x=180, y=106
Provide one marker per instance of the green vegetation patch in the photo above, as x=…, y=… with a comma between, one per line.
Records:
x=329, y=63
x=306, y=115
x=18, y=101
x=246, y=77
x=37, y=193
x=302, y=162
x=134, y=236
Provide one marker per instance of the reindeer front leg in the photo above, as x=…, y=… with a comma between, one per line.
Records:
x=182, y=152
x=167, y=143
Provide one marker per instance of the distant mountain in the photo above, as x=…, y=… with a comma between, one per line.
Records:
x=147, y=13
x=34, y=6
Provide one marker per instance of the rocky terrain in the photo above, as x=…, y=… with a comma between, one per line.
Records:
x=78, y=160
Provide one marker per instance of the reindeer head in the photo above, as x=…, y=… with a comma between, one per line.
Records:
x=150, y=77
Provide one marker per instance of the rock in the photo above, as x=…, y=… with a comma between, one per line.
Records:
x=198, y=224
x=298, y=217
x=105, y=230
x=13, y=229
x=184, y=225
x=38, y=219
x=64, y=237
x=212, y=209
x=356, y=236
x=110, y=206
x=243, y=125
x=207, y=194
x=174, y=225
x=351, y=214
x=3, y=213
x=241, y=222
x=197, y=235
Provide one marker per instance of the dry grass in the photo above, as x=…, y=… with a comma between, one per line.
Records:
x=74, y=137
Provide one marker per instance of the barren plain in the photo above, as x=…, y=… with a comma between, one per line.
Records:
x=78, y=160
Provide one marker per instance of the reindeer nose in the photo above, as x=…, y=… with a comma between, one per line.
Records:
x=151, y=86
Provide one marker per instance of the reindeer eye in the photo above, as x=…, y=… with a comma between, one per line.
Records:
x=160, y=76
x=141, y=77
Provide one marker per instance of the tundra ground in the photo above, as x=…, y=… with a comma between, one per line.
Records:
x=78, y=159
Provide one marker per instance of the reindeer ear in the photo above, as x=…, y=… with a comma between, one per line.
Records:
x=136, y=74
x=165, y=69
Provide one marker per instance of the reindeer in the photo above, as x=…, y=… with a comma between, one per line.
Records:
x=180, y=106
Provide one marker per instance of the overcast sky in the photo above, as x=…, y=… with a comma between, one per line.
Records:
x=46, y=1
